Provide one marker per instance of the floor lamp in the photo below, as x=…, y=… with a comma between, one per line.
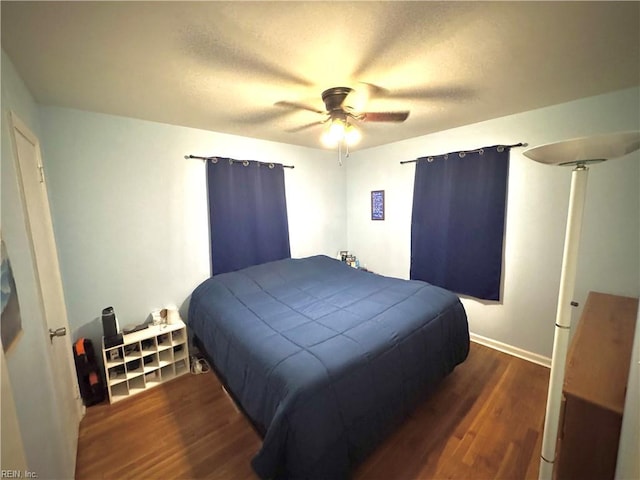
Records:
x=579, y=153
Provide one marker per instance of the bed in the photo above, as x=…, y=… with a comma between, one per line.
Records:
x=325, y=360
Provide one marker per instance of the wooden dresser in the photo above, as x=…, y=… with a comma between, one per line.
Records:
x=594, y=388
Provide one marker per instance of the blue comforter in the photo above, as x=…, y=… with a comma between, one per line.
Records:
x=325, y=359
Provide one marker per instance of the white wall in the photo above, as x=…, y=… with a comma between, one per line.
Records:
x=130, y=212
x=536, y=214
x=30, y=373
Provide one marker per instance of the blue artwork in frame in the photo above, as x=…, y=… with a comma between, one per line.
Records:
x=10, y=321
x=377, y=205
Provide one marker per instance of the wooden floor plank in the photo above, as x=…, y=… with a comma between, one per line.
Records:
x=484, y=421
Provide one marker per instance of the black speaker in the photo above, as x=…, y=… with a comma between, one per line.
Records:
x=109, y=322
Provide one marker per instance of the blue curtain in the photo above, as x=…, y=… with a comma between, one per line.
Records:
x=457, y=224
x=247, y=214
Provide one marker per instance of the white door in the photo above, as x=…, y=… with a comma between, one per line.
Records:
x=35, y=203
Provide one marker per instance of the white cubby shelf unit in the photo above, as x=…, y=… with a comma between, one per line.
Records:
x=146, y=358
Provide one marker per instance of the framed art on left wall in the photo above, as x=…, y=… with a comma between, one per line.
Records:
x=10, y=320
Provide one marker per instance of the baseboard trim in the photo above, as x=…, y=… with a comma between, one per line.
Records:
x=511, y=350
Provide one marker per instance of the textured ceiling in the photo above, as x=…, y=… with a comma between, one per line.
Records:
x=222, y=66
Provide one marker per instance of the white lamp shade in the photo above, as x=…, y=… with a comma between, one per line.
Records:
x=586, y=150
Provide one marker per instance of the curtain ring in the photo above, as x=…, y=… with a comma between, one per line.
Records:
x=231, y=161
x=245, y=163
x=214, y=160
x=481, y=151
x=446, y=156
x=462, y=154
x=430, y=159
x=271, y=165
x=500, y=148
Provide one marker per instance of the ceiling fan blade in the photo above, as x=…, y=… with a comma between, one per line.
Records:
x=358, y=98
x=216, y=52
x=304, y=127
x=259, y=117
x=432, y=93
x=384, y=116
x=374, y=90
x=299, y=106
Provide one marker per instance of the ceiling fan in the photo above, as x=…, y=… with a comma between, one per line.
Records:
x=342, y=111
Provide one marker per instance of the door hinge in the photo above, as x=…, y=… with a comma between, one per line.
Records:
x=41, y=170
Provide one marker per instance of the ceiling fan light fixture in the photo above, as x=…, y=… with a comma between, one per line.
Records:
x=343, y=104
x=334, y=133
x=339, y=130
x=352, y=135
x=329, y=140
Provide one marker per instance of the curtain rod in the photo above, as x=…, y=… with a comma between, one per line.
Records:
x=237, y=161
x=463, y=152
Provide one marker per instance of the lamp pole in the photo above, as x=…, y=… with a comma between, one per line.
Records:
x=577, y=196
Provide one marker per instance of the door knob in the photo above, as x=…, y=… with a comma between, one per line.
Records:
x=58, y=332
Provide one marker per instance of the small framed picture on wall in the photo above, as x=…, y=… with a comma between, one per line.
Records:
x=377, y=205
x=10, y=319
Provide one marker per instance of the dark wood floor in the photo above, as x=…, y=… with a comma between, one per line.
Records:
x=484, y=422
